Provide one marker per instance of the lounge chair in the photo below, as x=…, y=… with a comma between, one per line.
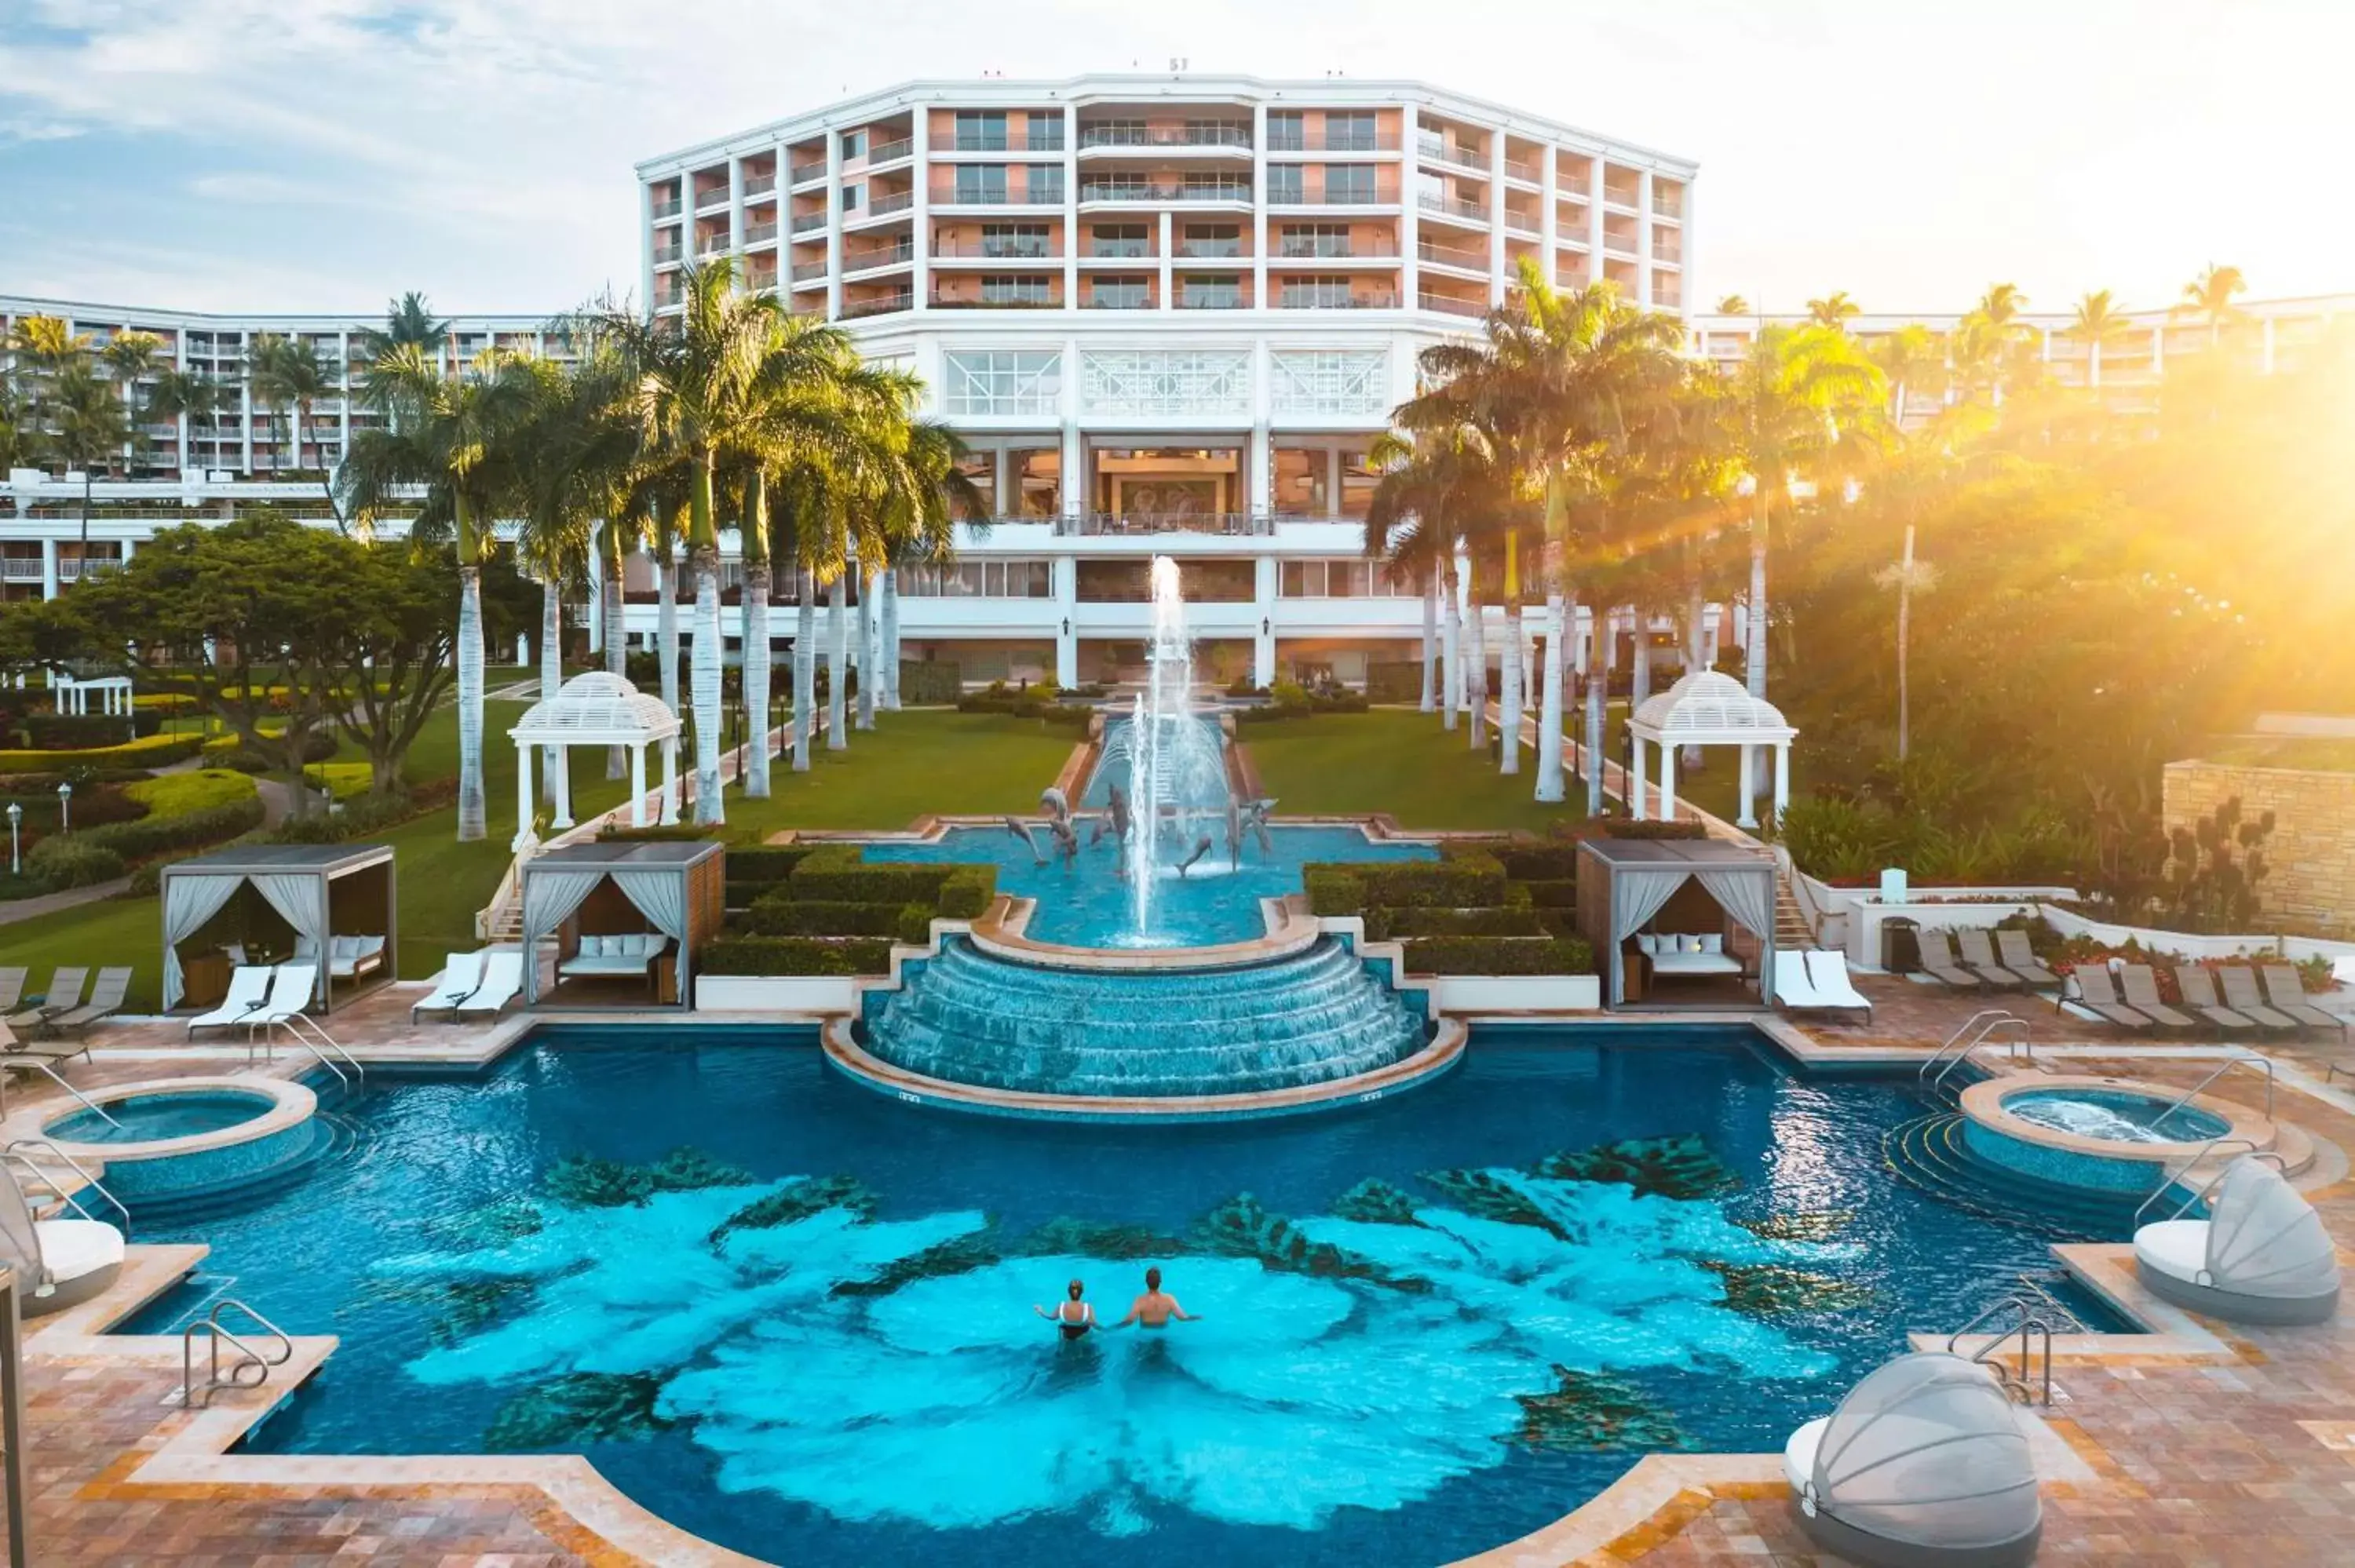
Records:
x=249, y=988
x=290, y=986
x=1978, y=957
x=12, y=988
x=2140, y=982
x=63, y=996
x=1938, y=960
x=2287, y=993
x=1829, y=971
x=2095, y=995
x=106, y=999
x=2020, y=959
x=1794, y=986
x=18, y=1055
x=59, y=1263
x=461, y=977
x=2242, y=995
x=2198, y=989
x=2262, y=1255
x=502, y=978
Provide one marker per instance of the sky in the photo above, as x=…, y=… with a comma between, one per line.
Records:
x=322, y=155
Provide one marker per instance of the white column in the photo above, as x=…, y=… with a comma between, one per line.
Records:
x=832, y=227
x=1067, y=643
x=1263, y=634
x=736, y=207
x=1259, y=207
x=1548, y=229
x=1782, y=777
x=523, y=797
x=646, y=240
x=919, y=228
x=1002, y=489
x=1164, y=246
x=1636, y=764
x=1595, y=220
x=49, y=569
x=1075, y=486
x=1668, y=783
x=670, y=781
x=638, y=785
x=1410, y=210
x=1496, y=268
x=560, y=759
x=1749, y=794
x=1644, y=239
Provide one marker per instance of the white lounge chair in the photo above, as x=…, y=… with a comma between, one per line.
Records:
x=502, y=978
x=64, y=1262
x=1828, y=972
x=249, y=988
x=1793, y=987
x=290, y=986
x=462, y=976
x=2261, y=1257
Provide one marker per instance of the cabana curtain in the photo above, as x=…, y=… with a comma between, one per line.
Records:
x=1745, y=894
x=550, y=896
x=1641, y=894
x=301, y=900
x=188, y=903
x=661, y=897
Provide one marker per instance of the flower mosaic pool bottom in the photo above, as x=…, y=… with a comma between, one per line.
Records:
x=796, y=1317
x=1084, y=903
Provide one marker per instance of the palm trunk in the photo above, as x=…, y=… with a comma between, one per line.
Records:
x=1430, y=644
x=1451, y=665
x=667, y=628
x=804, y=665
x=756, y=675
x=1476, y=670
x=888, y=669
x=1598, y=679
x=837, y=655
x=1509, y=704
x=616, y=640
x=551, y=676
x=1640, y=683
x=1696, y=651
x=704, y=670
x=471, y=824
x=1905, y=626
x=1754, y=653
x=1549, y=782
x=867, y=659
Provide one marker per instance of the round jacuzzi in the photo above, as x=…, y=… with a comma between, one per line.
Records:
x=2117, y=1116
x=2109, y=1135
x=177, y=1139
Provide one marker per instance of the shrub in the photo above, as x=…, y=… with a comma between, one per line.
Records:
x=1333, y=891
x=966, y=894
x=1070, y=715
x=150, y=751
x=763, y=864
x=178, y=794
x=794, y=956
x=152, y=835
x=73, y=861
x=1538, y=862
x=1457, y=923
x=1551, y=894
x=363, y=818
x=838, y=873
x=1499, y=956
x=1628, y=828
x=341, y=781
x=86, y=732
x=772, y=916
x=1394, y=682
x=931, y=682
x=1463, y=879
x=655, y=833
x=915, y=925
x=317, y=746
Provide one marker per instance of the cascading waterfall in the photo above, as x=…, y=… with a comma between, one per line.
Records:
x=1176, y=771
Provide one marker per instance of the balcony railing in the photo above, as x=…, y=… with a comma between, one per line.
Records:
x=883, y=305
x=1210, y=250
x=1122, y=302
x=1521, y=169
x=1001, y=249
x=1564, y=234
x=1618, y=244
x=1665, y=248
x=1195, y=299
x=1320, y=299
x=880, y=256
x=1446, y=305
x=760, y=233
x=663, y=209
x=891, y=152
x=664, y=254
x=804, y=270
x=882, y=207
x=1620, y=196
x=1445, y=255
x=1453, y=206
x=1345, y=196
x=1170, y=523
x=804, y=173
x=1320, y=141
x=1166, y=136
x=1667, y=204
x=711, y=244
x=1523, y=222
x=995, y=302
x=803, y=222
x=1154, y=190
x=1327, y=249
x=759, y=185
x=716, y=197
x=1048, y=140
x=995, y=195
x=1119, y=250
x=1440, y=150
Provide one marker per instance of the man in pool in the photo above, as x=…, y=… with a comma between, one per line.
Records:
x=1156, y=1307
x=1072, y=1317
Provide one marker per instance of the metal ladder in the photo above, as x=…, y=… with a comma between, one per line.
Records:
x=251, y=1369
x=312, y=1041
x=2245, y=1059
x=60, y=1080
x=20, y=1156
x=1979, y=1029
x=2030, y=1326
x=2205, y=1149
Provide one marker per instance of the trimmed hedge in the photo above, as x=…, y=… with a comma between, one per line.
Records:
x=1499, y=956
x=1464, y=879
x=177, y=794
x=153, y=835
x=1388, y=682
x=72, y=860
x=154, y=751
x=1384, y=924
x=931, y=682
x=822, y=918
x=1071, y=716
x=794, y=956
x=1538, y=862
x=765, y=863
x=966, y=894
x=838, y=873
x=87, y=732
x=317, y=746
x=1333, y=891
x=1342, y=703
x=1551, y=894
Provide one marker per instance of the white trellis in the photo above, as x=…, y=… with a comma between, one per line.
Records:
x=73, y=696
x=596, y=709
x=1707, y=708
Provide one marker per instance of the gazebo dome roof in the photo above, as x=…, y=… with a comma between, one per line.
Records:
x=596, y=709
x=1707, y=706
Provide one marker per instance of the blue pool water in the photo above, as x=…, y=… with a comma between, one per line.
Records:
x=1086, y=904
x=153, y=1117
x=1429, y=1326
x=2119, y=1116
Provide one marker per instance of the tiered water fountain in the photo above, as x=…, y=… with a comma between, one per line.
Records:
x=1144, y=1021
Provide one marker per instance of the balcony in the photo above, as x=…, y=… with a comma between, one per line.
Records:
x=1436, y=149
x=1093, y=137
x=1003, y=248
x=881, y=206
x=882, y=305
x=665, y=254
x=1667, y=203
x=1448, y=305
x=1237, y=192
x=1119, y=250
x=716, y=197
x=1618, y=244
x=711, y=245
x=880, y=256
x=891, y=151
x=1448, y=256
x=1331, y=300
x=1665, y=248
x=805, y=173
x=1040, y=301
x=1454, y=206
x=1342, y=196
x=21, y=568
x=1210, y=250
x=804, y=222
x=759, y=185
x=1213, y=300
x=805, y=271
x=760, y=233
x=1120, y=300
x=1114, y=522
x=663, y=209
x=1036, y=139
x=1528, y=171
x=1333, y=247
x=1521, y=222
x=1298, y=140
x=993, y=195
x=1621, y=195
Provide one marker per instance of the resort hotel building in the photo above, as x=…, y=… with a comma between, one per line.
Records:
x=1169, y=314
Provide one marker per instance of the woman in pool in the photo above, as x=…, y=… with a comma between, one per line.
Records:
x=1072, y=1315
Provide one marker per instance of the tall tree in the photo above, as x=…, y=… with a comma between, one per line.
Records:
x=288, y=373
x=187, y=397
x=1834, y=309
x=1734, y=305
x=2096, y=323
x=2211, y=295
x=1910, y=361
x=87, y=427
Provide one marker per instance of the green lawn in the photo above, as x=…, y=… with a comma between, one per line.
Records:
x=1399, y=761
x=911, y=763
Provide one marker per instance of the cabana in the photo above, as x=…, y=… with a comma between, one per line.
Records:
x=625, y=910
x=1692, y=897
x=1706, y=708
x=2262, y=1255
x=333, y=904
x=595, y=709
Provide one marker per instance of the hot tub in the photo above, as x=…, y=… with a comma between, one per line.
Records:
x=2109, y=1135
x=176, y=1139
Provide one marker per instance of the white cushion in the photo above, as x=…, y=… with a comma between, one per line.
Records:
x=593, y=947
x=71, y=1248
x=1714, y=943
x=1688, y=944
x=2177, y=1248
x=1799, y=1453
x=1647, y=943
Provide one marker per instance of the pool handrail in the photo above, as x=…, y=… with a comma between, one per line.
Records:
x=17, y=1153
x=1977, y=1030
x=2218, y=1142
x=2030, y=1324
x=250, y=1359
x=2244, y=1059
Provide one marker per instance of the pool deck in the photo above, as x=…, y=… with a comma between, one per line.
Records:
x=2197, y=1444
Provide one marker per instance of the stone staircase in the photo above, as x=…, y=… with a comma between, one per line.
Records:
x=1792, y=932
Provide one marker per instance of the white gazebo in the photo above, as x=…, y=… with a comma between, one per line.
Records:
x=1707, y=708
x=72, y=693
x=596, y=709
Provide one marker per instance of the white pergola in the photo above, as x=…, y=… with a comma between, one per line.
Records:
x=1707, y=708
x=596, y=709
x=72, y=695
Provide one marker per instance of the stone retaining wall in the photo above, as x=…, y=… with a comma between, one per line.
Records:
x=2312, y=849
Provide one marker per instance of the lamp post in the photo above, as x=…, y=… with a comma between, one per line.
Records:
x=65, y=808
x=16, y=815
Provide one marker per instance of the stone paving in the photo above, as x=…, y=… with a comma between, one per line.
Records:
x=2246, y=1457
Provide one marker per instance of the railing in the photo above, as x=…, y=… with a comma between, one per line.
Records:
x=251, y=1368
x=1453, y=206
x=990, y=302
x=1667, y=206
x=1523, y=222
x=891, y=152
x=1977, y=1030
x=760, y=184
x=803, y=222
x=2246, y=1059
x=1290, y=300
x=1621, y=195
x=15, y=1154
x=995, y=195
x=1445, y=152
x=716, y=197
x=1348, y=195
x=1577, y=189
x=1520, y=169
x=1237, y=136
x=1147, y=190
x=1446, y=257
x=1117, y=303
x=1048, y=140
x=997, y=250
x=802, y=172
x=1219, y=302
x=803, y=271
x=1336, y=249
x=1119, y=250
x=1453, y=307
x=19, y=569
x=668, y=253
x=884, y=206
x=663, y=209
x=1301, y=139
x=2030, y=1327
x=1114, y=522
x=59, y=1078
x=760, y=233
x=317, y=1042
x=2220, y=1142
x=880, y=307
x=1664, y=251
x=883, y=256
x=711, y=245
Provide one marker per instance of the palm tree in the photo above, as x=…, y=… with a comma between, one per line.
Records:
x=2097, y=323
x=2210, y=295
x=181, y=396
x=1834, y=309
x=1915, y=474
x=2001, y=306
x=1734, y=305
x=130, y=357
x=287, y=374
x=1907, y=359
x=87, y=426
x=446, y=435
x=409, y=323
x=46, y=344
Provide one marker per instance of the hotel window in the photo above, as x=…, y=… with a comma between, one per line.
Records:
x=1284, y=185
x=1037, y=480
x=1047, y=131
x=1286, y=133
x=1026, y=290
x=980, y=579
x=1316, y=293
x=1003, y=381
x=1360, y=478
x=854, y=145
x=1224, y=293
x=1213, y=239
x=1343, y=578
x=1349, y=132
x=1045, y=182
x=1126, y=239
x=1348, y=184
x=979, y=131
x=1117, y=133
x=1120, y=294
x=1021, y=240
x=1214, y=187
x=1314, y=240
x=981, y=183
x=980, y=469
x=1300, y=476
x=854, y=196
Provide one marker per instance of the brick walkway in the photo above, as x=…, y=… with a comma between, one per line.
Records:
x=2246, y=1457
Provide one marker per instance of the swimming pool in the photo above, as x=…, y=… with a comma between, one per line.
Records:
x=1429, y=1326
x=1084, y=903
